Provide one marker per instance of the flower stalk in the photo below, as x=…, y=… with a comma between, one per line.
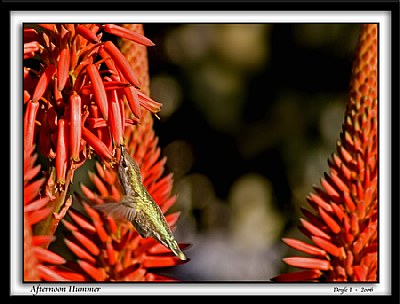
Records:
x=343, y=226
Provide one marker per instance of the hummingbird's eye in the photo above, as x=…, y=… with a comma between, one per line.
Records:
x=124, y=164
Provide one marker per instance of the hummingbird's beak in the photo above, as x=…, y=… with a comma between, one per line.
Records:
x=180, y=254
x=176, y=250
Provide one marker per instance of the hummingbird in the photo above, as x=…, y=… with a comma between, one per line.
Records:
x=138, y=206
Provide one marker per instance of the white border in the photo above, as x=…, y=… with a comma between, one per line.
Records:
x=381, y=17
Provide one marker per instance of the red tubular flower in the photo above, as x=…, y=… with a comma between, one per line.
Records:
x=86, y=33
x=75, y=126
x=133, y=101
x=116, y=119
x=30, y=48
x=30, y=123
x=121, y=63
x=123, y=32
x=98, y=90
x=109, y=85
x=98, y=146
x=63, y=68
x=343, y=228
x=148, y=103
x=44, y=82
x=61, y=151
x=48, y=26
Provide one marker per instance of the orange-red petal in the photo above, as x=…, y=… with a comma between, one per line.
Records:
x=86, y=33
x=306, y=248
x=95, y=273
x=63, y=67
x=123, y=32
x=98, y=146
x=98, y=89
x=47, y=256
x=121, y=63
x=44, y=81
x=312, y=263
x=75, y=126
x=61, y=151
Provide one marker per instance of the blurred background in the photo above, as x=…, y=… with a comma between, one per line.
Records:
x=251, y=114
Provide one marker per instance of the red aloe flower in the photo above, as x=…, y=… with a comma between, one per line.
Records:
x=83, y=96
x=344, y=225
x=37, y=260
x=107, y=250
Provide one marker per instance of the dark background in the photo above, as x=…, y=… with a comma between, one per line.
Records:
x=251, y=115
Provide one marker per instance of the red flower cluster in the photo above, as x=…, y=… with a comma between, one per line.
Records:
x=77, y=100
x=84, y=97
x=344, y=225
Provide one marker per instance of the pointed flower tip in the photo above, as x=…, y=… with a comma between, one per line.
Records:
x=303, y=262
x=123, y=32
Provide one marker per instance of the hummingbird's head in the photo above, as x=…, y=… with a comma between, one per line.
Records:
x=123, y=162
x=123, y=168
x=129, y=173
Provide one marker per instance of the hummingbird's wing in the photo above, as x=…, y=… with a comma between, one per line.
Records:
x=124, y=210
